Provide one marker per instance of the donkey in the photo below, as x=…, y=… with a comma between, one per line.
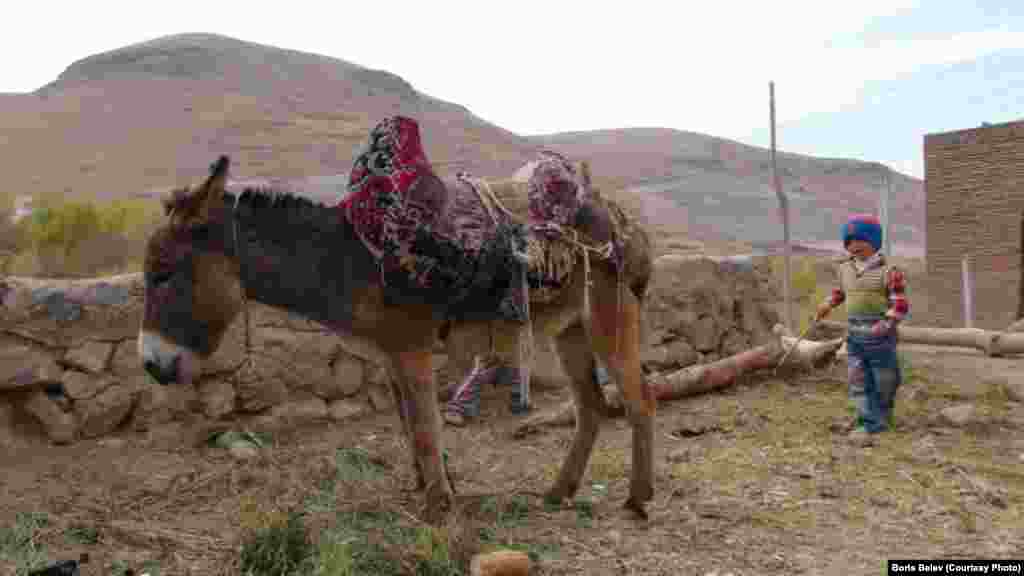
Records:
x=217, y=249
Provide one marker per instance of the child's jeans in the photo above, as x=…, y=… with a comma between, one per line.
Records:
x=874, y=373
x=466, y=398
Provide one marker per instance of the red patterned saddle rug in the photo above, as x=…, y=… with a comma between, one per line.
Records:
x=434, y=241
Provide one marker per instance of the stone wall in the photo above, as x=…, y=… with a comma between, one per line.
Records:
x=68, y=356
x=974, y=207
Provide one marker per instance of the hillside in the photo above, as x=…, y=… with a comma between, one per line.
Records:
x=154, y=114
x=151, y=115
x=726, y=186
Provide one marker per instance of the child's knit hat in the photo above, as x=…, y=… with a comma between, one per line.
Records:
x=863, y=227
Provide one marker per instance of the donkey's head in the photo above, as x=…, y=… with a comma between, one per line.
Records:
x=192, y=287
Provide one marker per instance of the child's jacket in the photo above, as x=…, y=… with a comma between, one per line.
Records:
x=871, y=289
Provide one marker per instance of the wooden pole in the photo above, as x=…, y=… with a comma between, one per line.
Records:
x=968, y=292
x=887, y=230
x=784, y=212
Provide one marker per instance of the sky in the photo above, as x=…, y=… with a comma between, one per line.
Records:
x=863, y=79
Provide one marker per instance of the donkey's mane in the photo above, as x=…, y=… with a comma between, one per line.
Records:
x=270, y=204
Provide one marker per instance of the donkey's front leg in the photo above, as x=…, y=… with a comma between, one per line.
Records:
x=415, y=371
x=402, y=398
x=578, y=362
x=617, y=324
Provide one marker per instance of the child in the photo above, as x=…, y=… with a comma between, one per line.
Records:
x=465, y=400
x=875, y=296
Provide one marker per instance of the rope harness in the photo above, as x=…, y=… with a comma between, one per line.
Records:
x=571, y=236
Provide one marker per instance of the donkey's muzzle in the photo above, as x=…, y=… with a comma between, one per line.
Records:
x=164, y=374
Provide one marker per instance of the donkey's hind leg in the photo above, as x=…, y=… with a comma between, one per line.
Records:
x=578, y=361
x=616, y=326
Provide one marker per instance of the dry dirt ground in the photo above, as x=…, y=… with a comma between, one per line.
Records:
x=757, y=479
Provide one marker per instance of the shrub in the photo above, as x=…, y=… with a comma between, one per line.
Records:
x=75, y=237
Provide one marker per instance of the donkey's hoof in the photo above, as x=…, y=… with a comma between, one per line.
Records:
x=553, y=500
x=637, y=508
x=439, y=504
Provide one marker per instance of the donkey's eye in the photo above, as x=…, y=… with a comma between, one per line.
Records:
x=160, y=278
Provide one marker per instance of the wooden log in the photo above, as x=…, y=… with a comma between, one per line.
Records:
x=704, y=378
x=990, y=342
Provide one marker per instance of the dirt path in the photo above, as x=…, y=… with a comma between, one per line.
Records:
x=756, y=480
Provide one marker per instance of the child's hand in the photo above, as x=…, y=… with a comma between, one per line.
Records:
x=881, y=328
x=823, y=310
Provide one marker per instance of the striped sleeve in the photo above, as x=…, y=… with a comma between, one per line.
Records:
x=896, y=285
x=836, y=298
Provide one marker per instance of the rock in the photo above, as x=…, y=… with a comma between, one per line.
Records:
x=8, y=425
x=106, y=294
x=670, y=355
x=1014, y=388
x=174, y=436
x=655, y=358
x=258, y=393
x=705, y=334
x=93, y=357
x=679, y=455
x=300, y=410
x=80, y=386
x=158, y=405
x=125, y=361
x=959, y=415
x=500, y=563
x=346, y=408
x=346, y=378
x=243, y=450
x=113, y=443
x=59, y=425
x=57, y=305
x=380, y=397
x=681, y=354
x=733, y=342
x=24, y=366
x=103, y=413
x=217, y=398
x=656, y=337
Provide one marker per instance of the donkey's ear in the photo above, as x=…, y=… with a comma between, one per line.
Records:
x=585, y=174
x=210, y=194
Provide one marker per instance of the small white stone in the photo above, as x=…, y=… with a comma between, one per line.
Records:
x=243, y=450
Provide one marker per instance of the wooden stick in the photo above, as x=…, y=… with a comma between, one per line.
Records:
x=993, y=343
x=704, y=378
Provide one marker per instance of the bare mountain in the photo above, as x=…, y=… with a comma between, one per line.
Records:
x=726, y=186
x=152, y=115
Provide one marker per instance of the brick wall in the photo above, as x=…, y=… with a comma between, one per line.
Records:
x=974, y=202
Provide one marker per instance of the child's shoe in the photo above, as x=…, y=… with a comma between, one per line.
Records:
x=861, y=437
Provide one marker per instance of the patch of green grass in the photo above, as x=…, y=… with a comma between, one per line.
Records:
x=433, y=557
x=281, y=549
x=356, y=465
x=363, y=542
x=335, y=557
x=120, y=568
x=18, y=542
x=82, y=534
x=584, y=512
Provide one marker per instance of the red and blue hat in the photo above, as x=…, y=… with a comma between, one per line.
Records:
x=863, y=227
